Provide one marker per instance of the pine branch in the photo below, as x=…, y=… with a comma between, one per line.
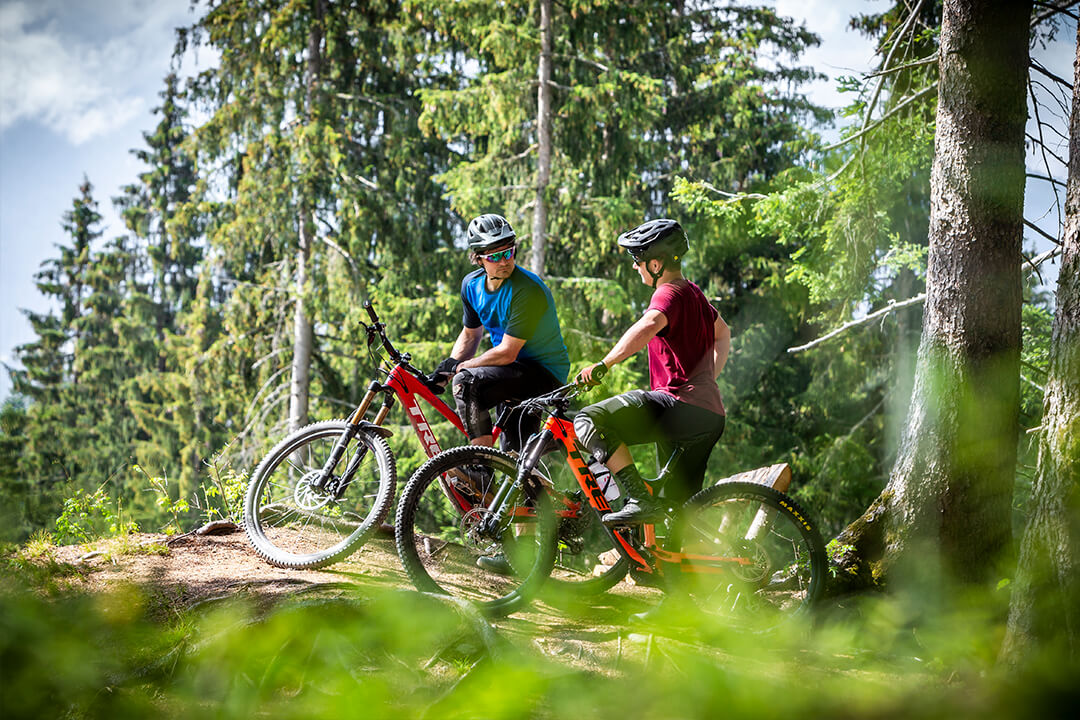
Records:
x=362, y=98
x=1053, y=9
x=900, y=34
x=1034, y=65
x=894, y=305
x=1042, y=146
x=1042, y=232
x=1051, y=180
x=733, y=197
x=867, y=128
x=578, y=58
x=1061, y=103
x=1056, y=131
x=928, y=60
x=1033, y=384
x=1057, y=157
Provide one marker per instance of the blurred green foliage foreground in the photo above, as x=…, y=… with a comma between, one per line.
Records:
x=401, y=654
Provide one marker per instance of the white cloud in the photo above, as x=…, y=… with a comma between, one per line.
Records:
x=842, y=51
x=81, y=69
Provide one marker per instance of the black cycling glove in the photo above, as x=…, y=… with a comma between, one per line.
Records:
x=443, y=373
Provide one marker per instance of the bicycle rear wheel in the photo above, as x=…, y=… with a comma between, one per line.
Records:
x=293, y=524
x=755, y=557
x=499, y=566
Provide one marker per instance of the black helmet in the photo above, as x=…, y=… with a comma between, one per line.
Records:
x=655, y=238
x=488, y=232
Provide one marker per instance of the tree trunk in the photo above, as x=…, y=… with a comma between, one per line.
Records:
x=543, y=124
x=1045, y=608
x=302, y=327
x=945, y=511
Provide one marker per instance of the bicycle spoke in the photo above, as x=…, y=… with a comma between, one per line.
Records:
x=781, y=561
x=472, y=555
x=292, y=523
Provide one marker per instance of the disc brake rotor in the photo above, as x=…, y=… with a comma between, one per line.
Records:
x=307, y=497
x=471, y=535
x=760, y=567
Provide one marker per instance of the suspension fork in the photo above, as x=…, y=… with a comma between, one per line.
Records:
x=508, y=491
x=361, y=453
x=351, y=429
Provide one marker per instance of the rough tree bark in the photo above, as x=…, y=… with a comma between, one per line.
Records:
x=303, y=331
x=543, y=161
x=946, y=506
x=1045, y=609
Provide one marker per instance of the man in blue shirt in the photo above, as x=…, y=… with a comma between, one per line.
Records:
x=527, y=356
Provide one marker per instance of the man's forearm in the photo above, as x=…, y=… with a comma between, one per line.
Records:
x=465, y=345
x=504, y=353
x=494, y=356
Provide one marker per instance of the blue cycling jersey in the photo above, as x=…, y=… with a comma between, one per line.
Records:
x=522, y=307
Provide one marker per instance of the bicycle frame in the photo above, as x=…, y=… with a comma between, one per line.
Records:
x=561, y=431
x=404, y=383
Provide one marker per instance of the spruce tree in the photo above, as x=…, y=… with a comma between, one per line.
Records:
x=49, y=378
x=323, y=196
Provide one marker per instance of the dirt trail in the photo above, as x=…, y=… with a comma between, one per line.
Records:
x=202, y=569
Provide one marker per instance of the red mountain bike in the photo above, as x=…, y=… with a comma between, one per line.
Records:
x=320, y=493
x=736, y=548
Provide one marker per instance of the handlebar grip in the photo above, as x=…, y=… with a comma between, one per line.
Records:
x=370, y=311
x=599, y=373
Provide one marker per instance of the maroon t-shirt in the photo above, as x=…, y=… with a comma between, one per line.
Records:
x=681, y=355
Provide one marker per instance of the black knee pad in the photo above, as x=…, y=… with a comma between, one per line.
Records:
x=477, y=420
x=461, y=383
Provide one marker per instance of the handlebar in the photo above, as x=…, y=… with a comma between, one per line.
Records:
x=566, y=392
x=378, y=327
x=599, y=373
x=371, y=311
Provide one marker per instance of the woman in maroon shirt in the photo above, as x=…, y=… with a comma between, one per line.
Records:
x=688, y=344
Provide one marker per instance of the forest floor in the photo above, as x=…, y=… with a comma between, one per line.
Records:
x=176, y=575
x=180, y=583
x=857, y=660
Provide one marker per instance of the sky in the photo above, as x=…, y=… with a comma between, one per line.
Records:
x=79, y=80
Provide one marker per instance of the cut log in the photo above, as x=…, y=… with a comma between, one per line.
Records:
x=778, y=477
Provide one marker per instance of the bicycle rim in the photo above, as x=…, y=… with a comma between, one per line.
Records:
x=449, y=552
x=293, y=524
x=759, y=561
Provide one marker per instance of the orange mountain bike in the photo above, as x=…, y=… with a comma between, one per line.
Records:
x=742, y=550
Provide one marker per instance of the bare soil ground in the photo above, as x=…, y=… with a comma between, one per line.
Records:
x=183, y=573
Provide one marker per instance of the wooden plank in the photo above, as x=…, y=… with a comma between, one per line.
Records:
x=776, y=476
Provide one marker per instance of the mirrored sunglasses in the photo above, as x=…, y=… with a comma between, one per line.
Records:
x=501, y=255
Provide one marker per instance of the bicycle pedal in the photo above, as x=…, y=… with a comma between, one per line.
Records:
x=645, y=579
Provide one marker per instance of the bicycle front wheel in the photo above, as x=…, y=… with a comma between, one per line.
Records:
x=297, y=519
x=752, y=557
x=453, y=540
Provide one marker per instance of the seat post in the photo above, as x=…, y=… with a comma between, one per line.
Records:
x=675, y=455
